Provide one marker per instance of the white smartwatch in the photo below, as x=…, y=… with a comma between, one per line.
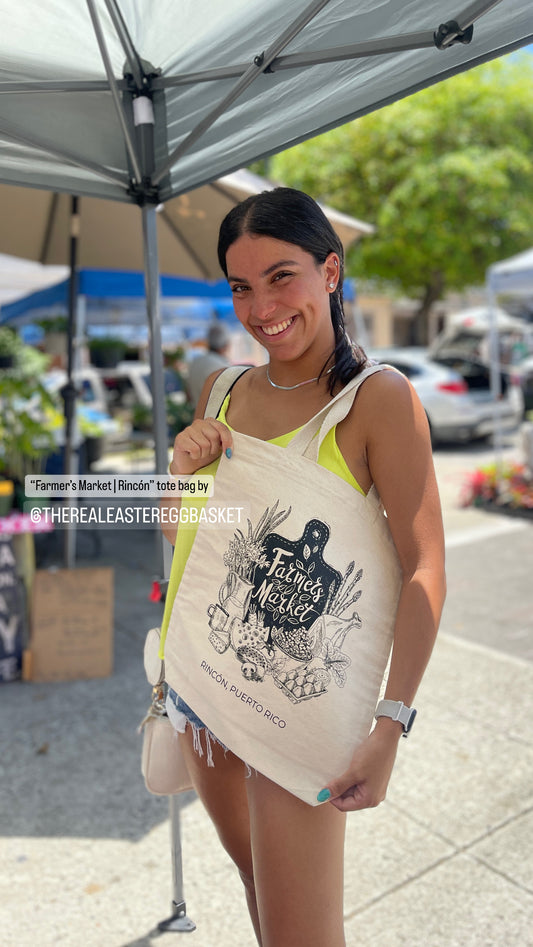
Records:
x=397, y=710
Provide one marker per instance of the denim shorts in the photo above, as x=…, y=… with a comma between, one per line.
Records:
x=180, y=714
x=183, y=708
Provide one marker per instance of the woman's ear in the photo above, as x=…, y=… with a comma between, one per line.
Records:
x=332, y=270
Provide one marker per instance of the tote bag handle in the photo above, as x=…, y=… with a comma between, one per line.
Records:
x=305, y=441
x=222, y=385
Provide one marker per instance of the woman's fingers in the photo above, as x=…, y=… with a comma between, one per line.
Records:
x=199, y=444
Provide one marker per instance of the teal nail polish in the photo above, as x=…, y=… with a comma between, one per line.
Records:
x=324, y=795
x=228, y=452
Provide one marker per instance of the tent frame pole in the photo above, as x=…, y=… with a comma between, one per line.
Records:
x=495, y=379
x=69, y=392
x=132, y=56
x=256, y=69
x=178, y=921
x=128, y=140
x=151, y=276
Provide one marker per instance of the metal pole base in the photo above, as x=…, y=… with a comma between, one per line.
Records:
x=179, y=920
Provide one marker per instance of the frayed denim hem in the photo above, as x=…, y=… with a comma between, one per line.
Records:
x=180, y=714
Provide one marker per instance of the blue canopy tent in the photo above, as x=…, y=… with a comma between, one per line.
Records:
x=114, y=302
x=115, y=295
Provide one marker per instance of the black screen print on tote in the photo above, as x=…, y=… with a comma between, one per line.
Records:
x=283, y=610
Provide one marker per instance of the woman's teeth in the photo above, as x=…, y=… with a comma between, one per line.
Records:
x=273, y=330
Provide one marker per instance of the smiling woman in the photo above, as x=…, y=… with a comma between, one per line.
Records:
x=305, y=601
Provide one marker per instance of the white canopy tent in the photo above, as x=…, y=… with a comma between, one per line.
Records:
x=20, y=277
x=513, y=276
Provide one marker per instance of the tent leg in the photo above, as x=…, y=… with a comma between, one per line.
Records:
x=179, y=920
x=151, y=276
x=69, y=393
x=495, y=383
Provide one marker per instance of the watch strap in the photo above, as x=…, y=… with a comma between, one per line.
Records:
x=397, y=710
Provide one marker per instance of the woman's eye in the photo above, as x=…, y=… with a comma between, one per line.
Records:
x=281, y=275
x=238, y=289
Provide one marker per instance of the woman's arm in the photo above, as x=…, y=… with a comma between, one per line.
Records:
x=399, y=459
x=196, y=446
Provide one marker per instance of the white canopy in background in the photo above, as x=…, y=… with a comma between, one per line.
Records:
x=20, y=277
x=513, y=276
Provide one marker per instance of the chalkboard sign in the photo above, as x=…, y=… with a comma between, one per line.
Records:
x=71, y=624
x=12, y=614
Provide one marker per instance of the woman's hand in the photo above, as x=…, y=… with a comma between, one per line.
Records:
x=364, y=784
x=199, y=445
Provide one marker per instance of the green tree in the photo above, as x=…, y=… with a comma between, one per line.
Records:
x=446, y=176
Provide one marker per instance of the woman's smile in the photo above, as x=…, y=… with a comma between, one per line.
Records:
x=277, y=329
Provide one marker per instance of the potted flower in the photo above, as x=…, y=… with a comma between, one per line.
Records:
x=25, y=434
x=106, y=351
x=6, y=496
x=503, y=488
x=55, y=334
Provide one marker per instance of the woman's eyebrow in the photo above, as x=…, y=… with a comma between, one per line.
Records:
x=266, y=272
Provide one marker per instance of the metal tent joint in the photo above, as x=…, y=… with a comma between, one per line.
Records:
x=144, y=192
x=148, y=74
x=450, y=33
x=259, y=60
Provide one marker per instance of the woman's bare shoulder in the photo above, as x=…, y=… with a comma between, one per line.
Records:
x=387, y=399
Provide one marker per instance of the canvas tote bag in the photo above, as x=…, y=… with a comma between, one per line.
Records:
x=281, y=628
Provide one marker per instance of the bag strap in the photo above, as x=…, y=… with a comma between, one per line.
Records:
x=305, y=441
x=222, y=385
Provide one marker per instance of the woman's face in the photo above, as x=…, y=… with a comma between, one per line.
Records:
x=281, y=295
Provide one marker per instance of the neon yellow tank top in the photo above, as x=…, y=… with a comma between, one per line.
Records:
x=329, y=456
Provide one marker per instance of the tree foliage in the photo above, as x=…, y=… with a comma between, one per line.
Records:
x=446, y=176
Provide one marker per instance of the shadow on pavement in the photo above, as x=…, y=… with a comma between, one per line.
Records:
x=70, y=751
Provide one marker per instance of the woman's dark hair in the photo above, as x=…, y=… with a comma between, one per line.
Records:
x=292, y=216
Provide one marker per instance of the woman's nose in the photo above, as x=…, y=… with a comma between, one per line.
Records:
x=263, y=305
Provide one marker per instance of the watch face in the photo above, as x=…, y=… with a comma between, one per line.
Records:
x=411, y=720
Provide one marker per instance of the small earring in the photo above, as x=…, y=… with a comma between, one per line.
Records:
x=331, y=285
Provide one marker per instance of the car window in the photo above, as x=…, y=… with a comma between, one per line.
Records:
x=171, y=379
x=120, y=391
x=87, y=393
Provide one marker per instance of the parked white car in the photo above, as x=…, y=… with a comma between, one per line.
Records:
x=457, y=398
x=129, y=384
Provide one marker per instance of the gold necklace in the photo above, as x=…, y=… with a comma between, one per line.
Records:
x=300, y=383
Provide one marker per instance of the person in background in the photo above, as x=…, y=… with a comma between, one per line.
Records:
x=216, y=357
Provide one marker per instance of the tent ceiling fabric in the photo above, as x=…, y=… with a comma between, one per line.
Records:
x=66, y=116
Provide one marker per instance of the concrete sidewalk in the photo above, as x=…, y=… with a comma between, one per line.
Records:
x=85, y=859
